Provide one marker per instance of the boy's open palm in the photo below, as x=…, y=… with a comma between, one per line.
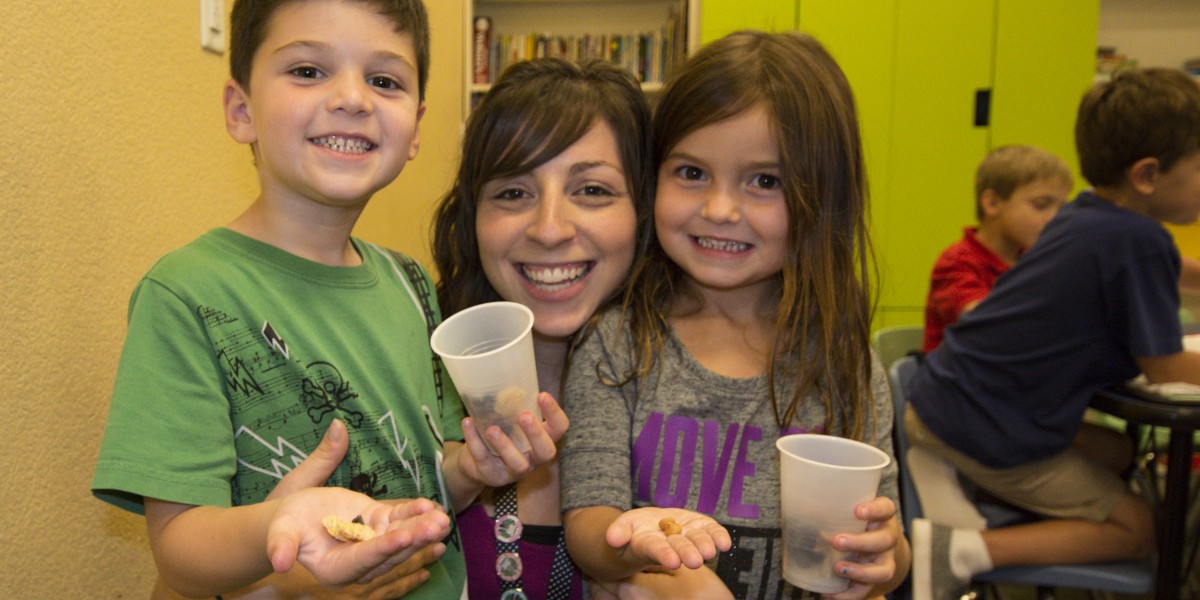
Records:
x=296, y=534
x=298, y=582
x=640, y=533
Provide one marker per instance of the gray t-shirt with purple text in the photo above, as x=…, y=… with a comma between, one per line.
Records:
x=686, y=437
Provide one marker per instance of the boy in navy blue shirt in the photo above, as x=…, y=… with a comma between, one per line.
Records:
x=1094, y=303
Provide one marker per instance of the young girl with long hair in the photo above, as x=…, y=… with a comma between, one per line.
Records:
x=748, y=319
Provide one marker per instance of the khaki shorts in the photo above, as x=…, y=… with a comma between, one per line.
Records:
x=1065, y=486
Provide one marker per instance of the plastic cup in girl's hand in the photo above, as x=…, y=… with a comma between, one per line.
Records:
x=822, y=478
x=488, y=351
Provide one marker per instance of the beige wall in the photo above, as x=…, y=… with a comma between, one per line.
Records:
x=116, y=153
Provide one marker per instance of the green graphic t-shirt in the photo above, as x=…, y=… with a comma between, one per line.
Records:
x=239, y=355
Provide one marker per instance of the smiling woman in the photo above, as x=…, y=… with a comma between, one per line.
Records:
x=559, y=238
x=549, y=209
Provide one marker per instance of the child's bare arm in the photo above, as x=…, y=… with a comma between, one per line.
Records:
x=1189, y=275
x=682, y=583
x=208, y=550
x=198, y=545
x=1181, y=366
x=640, y=538
x=316, y=469
x=299, y=583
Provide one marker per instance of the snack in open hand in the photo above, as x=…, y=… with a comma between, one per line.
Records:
x=669, y=526
x=348, y=531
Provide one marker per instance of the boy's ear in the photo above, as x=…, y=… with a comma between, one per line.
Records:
x=1142, y=175
x=238, y=120
x=990, y=202
x=416, y=138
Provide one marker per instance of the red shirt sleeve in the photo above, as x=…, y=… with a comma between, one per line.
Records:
x=964, y=273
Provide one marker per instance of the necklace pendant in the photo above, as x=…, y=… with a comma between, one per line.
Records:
x=508, y=566
x=508, y=529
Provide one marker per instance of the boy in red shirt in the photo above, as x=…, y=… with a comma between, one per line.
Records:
x=1018, y=189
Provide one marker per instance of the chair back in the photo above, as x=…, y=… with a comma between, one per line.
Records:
x=900, y=373
x=891, y=343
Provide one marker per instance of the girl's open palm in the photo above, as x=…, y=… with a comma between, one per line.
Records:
x=639, y=532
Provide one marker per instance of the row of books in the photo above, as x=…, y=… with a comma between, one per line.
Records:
x=650, y=56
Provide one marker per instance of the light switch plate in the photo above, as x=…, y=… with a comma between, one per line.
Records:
x=212, y=25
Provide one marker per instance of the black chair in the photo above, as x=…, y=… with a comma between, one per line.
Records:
x=1134, y=577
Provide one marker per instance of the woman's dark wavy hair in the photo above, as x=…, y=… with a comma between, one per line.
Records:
x=823, y=319
x=535, y=111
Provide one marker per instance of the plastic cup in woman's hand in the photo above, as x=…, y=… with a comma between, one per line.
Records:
x=488, y=351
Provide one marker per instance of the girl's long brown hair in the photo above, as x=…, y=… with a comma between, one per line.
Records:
x=823, y=319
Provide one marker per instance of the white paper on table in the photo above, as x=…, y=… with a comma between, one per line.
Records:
x=1175, y=390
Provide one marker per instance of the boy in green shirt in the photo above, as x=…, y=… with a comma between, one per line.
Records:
x=246, y=345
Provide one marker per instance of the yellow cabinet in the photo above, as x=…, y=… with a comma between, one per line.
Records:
x=719, y=17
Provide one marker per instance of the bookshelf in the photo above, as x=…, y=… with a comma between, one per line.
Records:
x=643, y=35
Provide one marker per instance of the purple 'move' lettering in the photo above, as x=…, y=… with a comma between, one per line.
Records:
x=712, y=468
x=743, y=470
x=644, y=450
x=681, y=433
x=678, y=441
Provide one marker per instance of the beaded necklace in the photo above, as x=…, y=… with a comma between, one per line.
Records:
x=508, y=558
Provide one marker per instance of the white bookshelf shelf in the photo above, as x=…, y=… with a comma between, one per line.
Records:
x=563, y=22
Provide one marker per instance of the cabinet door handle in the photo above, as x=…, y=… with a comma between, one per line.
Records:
x=983, y=107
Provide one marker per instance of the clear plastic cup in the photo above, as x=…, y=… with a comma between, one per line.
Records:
x=488, y=351
x=822, y=478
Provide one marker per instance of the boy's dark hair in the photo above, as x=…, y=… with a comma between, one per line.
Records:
x=1009, y=167
x=536, y=110
x=1142, y=113
x=250, y=18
